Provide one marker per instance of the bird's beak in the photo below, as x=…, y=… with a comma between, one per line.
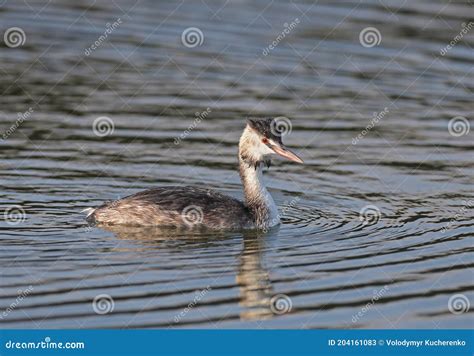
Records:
x=282, y=151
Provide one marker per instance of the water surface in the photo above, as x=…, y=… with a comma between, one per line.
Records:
x=398, y=269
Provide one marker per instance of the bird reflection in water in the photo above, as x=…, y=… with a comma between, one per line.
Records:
x=254, y=283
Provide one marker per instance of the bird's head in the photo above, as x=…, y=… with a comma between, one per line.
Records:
x=261, y=139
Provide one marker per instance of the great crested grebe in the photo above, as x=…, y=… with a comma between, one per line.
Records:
x=199, y=207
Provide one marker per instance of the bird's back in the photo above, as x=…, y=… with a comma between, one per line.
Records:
x=175, y=206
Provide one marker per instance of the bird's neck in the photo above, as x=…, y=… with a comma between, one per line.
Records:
x=257, y=199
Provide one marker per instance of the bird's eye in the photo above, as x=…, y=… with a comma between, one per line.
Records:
x=265, y=140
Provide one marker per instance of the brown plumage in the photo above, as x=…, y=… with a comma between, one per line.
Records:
x=175, y=206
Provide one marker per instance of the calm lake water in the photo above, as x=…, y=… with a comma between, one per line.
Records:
x=377, y=225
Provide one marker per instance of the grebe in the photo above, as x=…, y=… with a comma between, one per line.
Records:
x=200, y=207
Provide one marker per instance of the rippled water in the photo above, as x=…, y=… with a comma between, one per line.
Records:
x=405, y=265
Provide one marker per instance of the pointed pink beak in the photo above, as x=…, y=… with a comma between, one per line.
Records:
x=286, y=153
